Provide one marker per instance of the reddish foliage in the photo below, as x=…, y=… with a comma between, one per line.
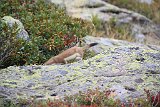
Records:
x=68, y=41
x=155, y=99
x=123, y=105
x=107, y=93
x=94, y=99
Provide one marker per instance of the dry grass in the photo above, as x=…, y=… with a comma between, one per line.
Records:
x=110, y=30
x=151, y=11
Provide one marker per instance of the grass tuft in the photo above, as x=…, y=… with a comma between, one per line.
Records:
x=152, y=11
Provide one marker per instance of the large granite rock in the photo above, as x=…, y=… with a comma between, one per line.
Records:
x=142, y=28
x=10, y=21
x=127, y=68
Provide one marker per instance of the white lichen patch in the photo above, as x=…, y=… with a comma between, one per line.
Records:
x=36, y=75
x=133, y=66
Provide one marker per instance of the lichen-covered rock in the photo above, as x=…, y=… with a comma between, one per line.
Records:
x=127, y=68
x=10, y=21
x=105, y=12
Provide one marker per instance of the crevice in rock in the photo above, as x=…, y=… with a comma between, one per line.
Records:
x=113, y=11
x=140, y=59
x=39, y=96
x=54, y=94
x=92, y=5
x=130, y=88
x=134, y=48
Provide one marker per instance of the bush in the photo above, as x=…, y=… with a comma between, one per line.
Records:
x=9, y=43
x=49, y=28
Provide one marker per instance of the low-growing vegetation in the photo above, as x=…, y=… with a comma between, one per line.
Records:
x=111, y=30
x=152, y=11
x=121, y=32
x=92, y=98
x=50, y=31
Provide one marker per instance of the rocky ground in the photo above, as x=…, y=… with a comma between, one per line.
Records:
x=127, y=68
x=142, y=29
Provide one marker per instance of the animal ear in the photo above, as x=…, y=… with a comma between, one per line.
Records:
x=81, y=42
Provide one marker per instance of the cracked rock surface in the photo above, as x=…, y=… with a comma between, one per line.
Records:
x=127, y=68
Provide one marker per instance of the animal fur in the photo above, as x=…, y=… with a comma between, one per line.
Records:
x=69, y=54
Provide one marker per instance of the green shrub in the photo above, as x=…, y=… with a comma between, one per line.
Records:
x=49, y=28
x=9, y=44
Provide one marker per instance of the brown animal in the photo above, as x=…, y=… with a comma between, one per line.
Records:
x=69, y=54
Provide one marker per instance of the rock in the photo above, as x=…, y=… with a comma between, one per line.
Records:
x=10, y=21
x=140, y=38
x=128, y=68
x=146, y=1
x=105, y=12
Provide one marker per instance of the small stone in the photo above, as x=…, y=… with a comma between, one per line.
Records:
x=139, y=80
